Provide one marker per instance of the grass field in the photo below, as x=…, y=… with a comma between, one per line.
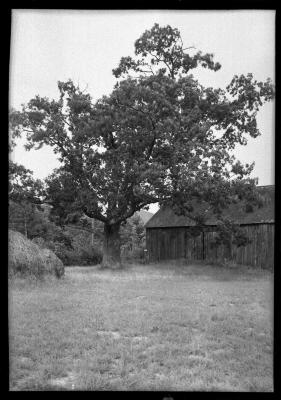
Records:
x=157, y=327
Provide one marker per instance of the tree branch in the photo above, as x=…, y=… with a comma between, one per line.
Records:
x=190, y=47
x=27, y=130
x=137, y=110
x=151, y=147
x=159, y=59
x=64, y=120
x=95, y=215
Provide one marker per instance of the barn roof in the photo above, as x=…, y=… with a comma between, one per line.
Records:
x=166, y=217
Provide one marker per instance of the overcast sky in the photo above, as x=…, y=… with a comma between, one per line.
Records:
x=85, y=46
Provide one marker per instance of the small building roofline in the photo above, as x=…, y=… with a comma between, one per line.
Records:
x=165, y=216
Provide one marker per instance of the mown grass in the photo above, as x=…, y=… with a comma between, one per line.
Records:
x=157, y=327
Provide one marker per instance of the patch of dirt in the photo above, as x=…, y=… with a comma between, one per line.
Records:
x=160, y=376
x=140, y=338
x=25, y=360
x=117, y=335
x=181, y=324
x=66, y=382
x=216, y=317
x=114, y=334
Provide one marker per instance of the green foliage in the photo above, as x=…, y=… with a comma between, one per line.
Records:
x=20, y=216
x=73, y=243
x=25, y=196
x=22, y=186
x=81, y=252
x=229, y=233
x=159, y=136
x=62, y=192
x=33, y=222
x=163, y=47
x=85, y=254
x=133, y=237
x=226, y=193
x=71, y=248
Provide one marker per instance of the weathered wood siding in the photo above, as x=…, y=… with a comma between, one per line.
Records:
x=175, y=243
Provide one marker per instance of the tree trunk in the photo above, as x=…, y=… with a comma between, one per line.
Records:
x=111, y=247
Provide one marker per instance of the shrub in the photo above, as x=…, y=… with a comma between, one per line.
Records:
x=90, y=255
x=135, y=253
x=80, y=254
x=84, y=251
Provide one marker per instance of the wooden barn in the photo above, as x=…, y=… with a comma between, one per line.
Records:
x=169, y=236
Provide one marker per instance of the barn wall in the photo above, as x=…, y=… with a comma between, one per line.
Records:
x=175, y=243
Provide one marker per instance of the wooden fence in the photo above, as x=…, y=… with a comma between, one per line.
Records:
x=176, y=243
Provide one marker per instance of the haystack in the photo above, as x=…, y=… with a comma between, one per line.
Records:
x=26, y=258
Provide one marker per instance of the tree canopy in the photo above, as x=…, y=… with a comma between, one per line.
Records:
x=160, y=136
x=22, y=186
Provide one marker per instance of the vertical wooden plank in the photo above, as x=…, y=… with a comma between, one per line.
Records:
x=176, y=243
x=158, y=244
x=198, y=247
x=150, y=244
x=189, y=244
x=171, y=246
x=151, y=247
x=181, y=243
x=165, y=234
x=165, y=248
x=160, y=238
x=190, y=247
x=206, y=238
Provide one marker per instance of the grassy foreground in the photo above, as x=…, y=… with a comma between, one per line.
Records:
x=156, y=327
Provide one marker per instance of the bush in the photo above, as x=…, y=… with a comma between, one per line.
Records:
x=84, y=252
x=90, y=255
x=79, y=255
x=135, y=253
x=85, y=256
x=71, y=244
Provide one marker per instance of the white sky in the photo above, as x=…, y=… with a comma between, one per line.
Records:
x=85, y=46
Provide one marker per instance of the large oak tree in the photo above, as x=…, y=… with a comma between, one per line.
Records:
x=159, y=136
